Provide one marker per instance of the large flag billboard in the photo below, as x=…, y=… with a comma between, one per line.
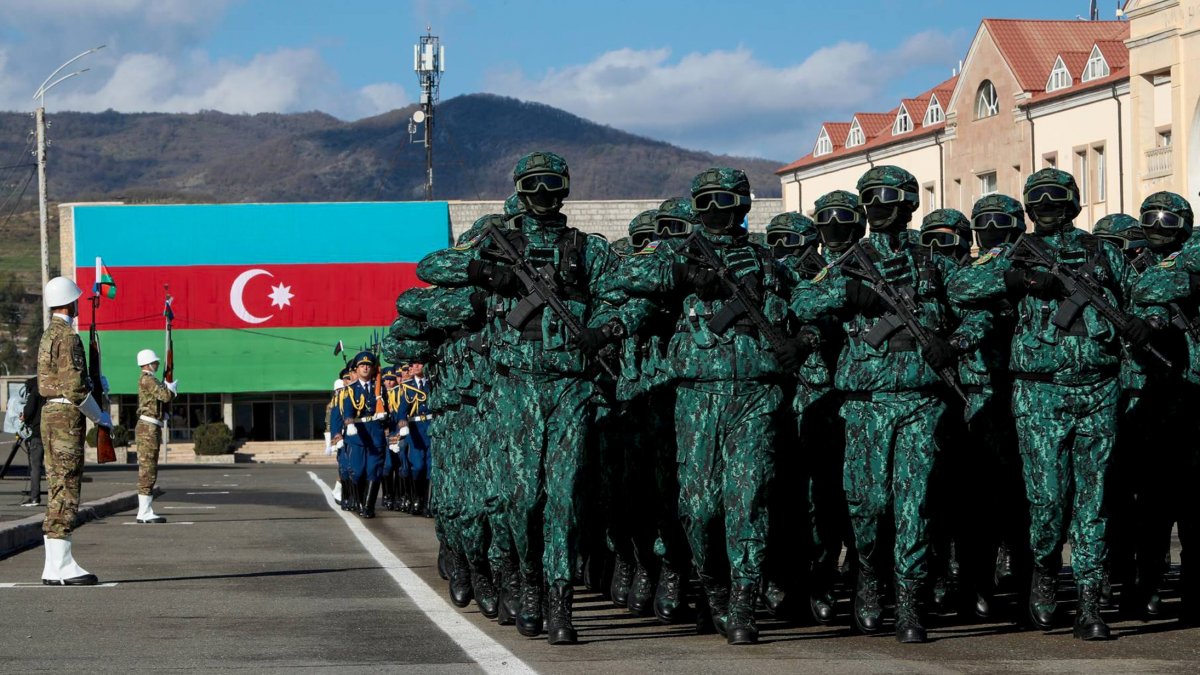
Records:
x=262, y=292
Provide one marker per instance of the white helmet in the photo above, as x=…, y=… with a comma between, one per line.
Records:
x=61, y=291
x=146, y=357
x=338, y=385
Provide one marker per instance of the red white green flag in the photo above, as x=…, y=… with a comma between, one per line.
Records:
x=104, y=285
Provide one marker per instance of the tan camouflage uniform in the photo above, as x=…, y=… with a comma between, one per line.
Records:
x=152, y=394
x=62, y=381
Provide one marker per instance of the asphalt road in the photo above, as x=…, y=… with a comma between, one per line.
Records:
x=255, y=570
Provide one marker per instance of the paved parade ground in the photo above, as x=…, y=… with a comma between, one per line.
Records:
x=256, y=570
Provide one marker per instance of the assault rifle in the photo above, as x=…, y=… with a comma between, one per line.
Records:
x=857, y=261
x=541, y=291
x=1082, y=286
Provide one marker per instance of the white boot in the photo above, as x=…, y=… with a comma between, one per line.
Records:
x=146, y=510
x=61, y=566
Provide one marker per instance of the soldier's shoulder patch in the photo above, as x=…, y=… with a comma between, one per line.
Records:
x=649, y=248
x=991, y=255
x=469, y=244
x=822, y=274
x=1169, y=261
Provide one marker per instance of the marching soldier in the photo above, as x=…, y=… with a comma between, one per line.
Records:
x=152, y=394
x=63, y=382
x=391, y=462
x=333, y=436
x=366, y=422
x=415, y=416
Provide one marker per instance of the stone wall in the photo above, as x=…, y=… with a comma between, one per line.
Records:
x=610, y=217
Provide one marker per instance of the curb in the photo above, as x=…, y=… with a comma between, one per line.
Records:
x=18, y=535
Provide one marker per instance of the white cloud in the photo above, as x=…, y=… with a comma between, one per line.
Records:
x=155, y=62
x=726, y=99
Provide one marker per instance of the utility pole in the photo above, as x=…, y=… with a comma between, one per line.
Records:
x=429, y=62
x=40, y=116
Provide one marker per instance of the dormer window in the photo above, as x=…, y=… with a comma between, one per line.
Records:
x=856, y=136
x=1096, y=67
x=824, y=145
x=987, y=104
x=903, y=123
x=934, y=113
x=1060, y=77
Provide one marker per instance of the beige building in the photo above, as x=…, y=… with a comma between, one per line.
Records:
x=1033, y=94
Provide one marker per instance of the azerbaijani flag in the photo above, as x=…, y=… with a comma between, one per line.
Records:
x=104, y=282
x=259, y=291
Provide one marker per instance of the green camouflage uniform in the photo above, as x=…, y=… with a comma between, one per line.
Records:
x=62, y=374
x=152, y=394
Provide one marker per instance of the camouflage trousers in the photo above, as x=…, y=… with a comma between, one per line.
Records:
x=62, y=434
x=1066, y=436
x=545, y=421
x=445, y=470
x=627, y=472
x=890, y=450
x=149, y=442
x=726, y=436
x=483, y=534
x=822, y=434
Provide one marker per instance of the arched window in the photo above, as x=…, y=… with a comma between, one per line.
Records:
x=987, y=104
x=824, y=145
x=903, y=123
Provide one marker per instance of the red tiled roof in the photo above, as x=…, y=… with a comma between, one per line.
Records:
x=1115, y=53
x=882, y=135
x=1030, y=47
x=1118, y=67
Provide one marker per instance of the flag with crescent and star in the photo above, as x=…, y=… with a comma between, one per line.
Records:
x=264, y=286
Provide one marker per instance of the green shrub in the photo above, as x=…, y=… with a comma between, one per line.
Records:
x=213, y=439
x=121, y=437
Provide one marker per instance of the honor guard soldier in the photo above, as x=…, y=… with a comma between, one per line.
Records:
x=152, y=394
x=391, y=463
x=365, y=432
x=63, y=382
x=415, y=416
x=337, y=446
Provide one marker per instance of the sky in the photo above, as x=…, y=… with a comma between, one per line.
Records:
x=744, y=78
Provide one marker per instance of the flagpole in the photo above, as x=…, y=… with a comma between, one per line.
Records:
x=166, y=435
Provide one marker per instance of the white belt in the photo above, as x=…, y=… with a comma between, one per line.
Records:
x=59, y=400
x=151, y=420
x=421, y=418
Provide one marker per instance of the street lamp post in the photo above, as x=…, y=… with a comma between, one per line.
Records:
x=40, y=117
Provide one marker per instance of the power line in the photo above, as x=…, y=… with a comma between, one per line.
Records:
x=17, y=203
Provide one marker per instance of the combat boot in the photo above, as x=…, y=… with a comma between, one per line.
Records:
x=461, y=592
x=908, y=619
x=641, y=593
x=715, y=609
x=349, y=501
x=1043, y=597
x=559, y=630
x=529, y=619
x=622, y=579
x=868, y=613
x=740, y=628
x=368, y=507
x=484, y=590
x=668, y=595
x=1088, y=624
x=510, y=593
x=443, y=561
x=774, y=597
x=821, y=606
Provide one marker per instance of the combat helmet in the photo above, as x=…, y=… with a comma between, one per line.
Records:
x=997, y=219
x=543, y=181
x=1051, y=199
x=791, y=232
x=889, y=195
x=839, y=219
x=675, y=218
x=955, y=243
x=1121, y=230
x=1167, y=219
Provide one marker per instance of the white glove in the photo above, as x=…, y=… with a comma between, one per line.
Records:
x=339, y=445
x=394, y=447
x=91, y=410
x=403, y=432
x=351, y=430
x=172, y=386
x=379, y=416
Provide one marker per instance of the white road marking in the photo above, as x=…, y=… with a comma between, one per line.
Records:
x=172, y=522
x=38, y=584
x=219, y=485
x=209, y=493
x=187, y=507
x=491, y=656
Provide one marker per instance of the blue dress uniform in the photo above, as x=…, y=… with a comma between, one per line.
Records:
x=365, y=433
x=391, y=459
x=415, y=412
x=336, y=429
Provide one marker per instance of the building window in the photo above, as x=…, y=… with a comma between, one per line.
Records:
x=903, y=123
x=1060, y=77
x=856, y=135
x=1163, y=138
x=824, y=145
x=1096, y=67
x=987, y=104
x=987, y=184
x=1050, y=160
x=934, y=113
x=1081, y=173
x=1101, y=170
x=929, y=197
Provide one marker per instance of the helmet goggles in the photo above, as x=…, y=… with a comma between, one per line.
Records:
x=718, y=199
x=551, y=182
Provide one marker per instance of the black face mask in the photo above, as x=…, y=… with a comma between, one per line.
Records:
x=1161, y=239
x=992, y=237
x=543, y=202
x=838, y=237
x=722, y=221
x=1049, y=217
x=887, y=217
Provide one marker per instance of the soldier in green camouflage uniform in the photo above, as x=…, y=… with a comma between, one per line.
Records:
x=152, y=394
x=726, y=399
x=893, y=399
x=1065, y=393
x=541, y=389
x=1161, y=410
x=63, y=382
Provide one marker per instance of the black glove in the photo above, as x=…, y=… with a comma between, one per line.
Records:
x=592, y=340
x=1137, y=332
x=687, y=275
x=861, y=296
x=793, y=352
x=939, y=353
x=495, y=276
